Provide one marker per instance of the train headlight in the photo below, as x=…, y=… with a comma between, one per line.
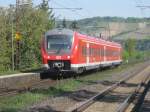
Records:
x=68, y=57
x=76, y=47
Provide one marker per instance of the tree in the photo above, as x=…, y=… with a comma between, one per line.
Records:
x=33, y=23
x=74, y=25
x=130, y=46
x=5, y=48
x=64, y=25
x=44, y=5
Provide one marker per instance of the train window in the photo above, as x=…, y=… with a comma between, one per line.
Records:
x=108, y=53
x=91, y=51
x=59, y=44
x=94, y=52
x=84, y=51
x=116, y=53
x=97, y=52
x=102, y=52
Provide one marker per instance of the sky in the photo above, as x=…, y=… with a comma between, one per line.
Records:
x=92, y=8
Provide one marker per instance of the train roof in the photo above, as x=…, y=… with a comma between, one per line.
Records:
x=59, y=31
x=94, y=39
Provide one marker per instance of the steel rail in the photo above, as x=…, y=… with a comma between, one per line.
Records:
x=132, y=96
x=101, y=94
x=140, y=101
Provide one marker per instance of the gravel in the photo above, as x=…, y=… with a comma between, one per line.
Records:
x=65, y=101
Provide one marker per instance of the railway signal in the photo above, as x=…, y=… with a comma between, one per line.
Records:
x=18, y=36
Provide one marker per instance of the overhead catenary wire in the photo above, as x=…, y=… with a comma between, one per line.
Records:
x=88, y=12
x=66, y=8
x=74, y=10
x=137, y=3
x=141, y=5
x=85, y=11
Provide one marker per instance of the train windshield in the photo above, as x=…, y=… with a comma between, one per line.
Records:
x=59, y=44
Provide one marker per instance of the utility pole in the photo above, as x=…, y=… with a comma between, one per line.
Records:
x=12, y=35
x=19, y=5
x=109, y=32
x=100, y=34
x=142, y=7
x=17, y=30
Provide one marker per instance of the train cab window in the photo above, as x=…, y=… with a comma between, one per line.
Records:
x=59, y=44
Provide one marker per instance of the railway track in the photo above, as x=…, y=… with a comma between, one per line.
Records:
x=120, y=97
x=127, y=105
x=143, y=106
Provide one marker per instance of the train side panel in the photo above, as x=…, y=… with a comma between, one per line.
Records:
x=91, y=54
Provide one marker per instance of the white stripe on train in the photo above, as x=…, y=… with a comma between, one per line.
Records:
x=91, y=65
x=96, y=63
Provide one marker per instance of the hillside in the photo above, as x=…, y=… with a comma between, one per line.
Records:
x=109, y=26
x=139, y=34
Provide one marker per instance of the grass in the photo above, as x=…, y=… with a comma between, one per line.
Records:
x=16, y=103
x=21, y=101
x=105, y=73
x=10, y=72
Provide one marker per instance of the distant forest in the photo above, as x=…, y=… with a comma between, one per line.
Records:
x=117, y=19
x=105, y=19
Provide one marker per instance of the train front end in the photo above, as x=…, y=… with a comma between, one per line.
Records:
x=56, y=50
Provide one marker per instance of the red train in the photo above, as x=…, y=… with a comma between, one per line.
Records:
x=67, y=50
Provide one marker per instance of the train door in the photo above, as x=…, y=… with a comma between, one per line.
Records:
x=87, y=53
